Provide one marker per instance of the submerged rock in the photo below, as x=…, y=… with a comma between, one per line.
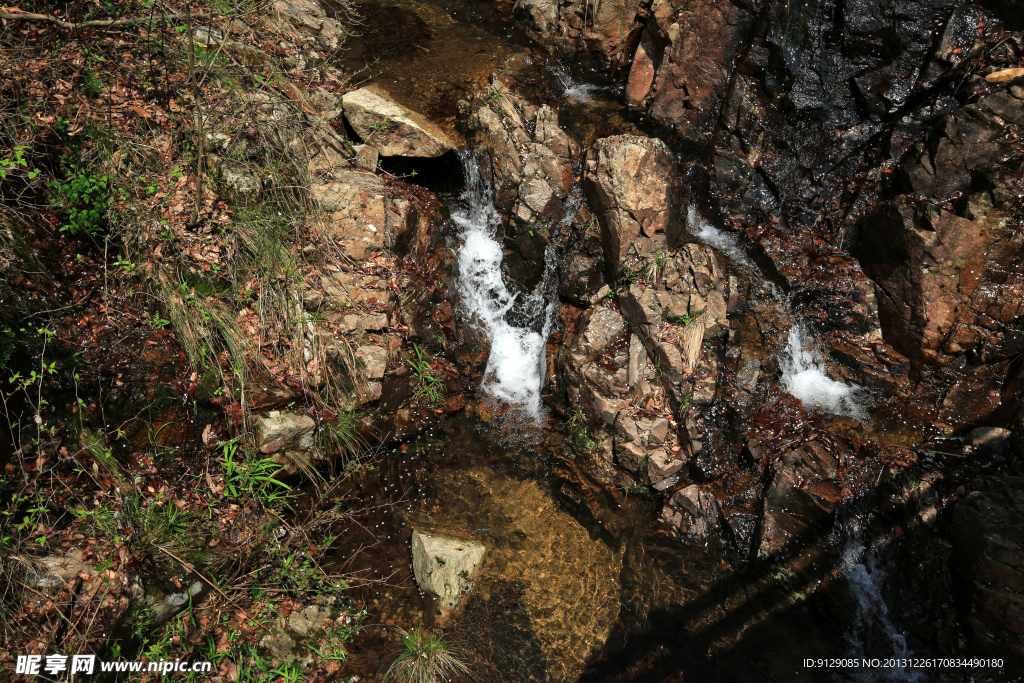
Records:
x=445, y=568
x=391, y=128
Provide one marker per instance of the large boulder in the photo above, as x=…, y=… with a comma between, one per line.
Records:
x=391, y=128
x=445, y=568
x=951, y=282
x=988, y=540
x=633, y=183
x=701, y=44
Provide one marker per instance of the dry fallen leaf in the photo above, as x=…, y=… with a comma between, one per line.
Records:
x=208, y=436
x=1005, y=76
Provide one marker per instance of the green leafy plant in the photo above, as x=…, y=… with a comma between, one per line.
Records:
x=246, y=474
x=424, y=658
x=15, y=163
x=578, y=431
x=85, y=197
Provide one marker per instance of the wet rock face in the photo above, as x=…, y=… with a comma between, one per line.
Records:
x=988, y=537
x=392, y=129
x=694, y=511
x=950, y=282
x=601, y=31
x=943, y=281
x=965, y=148
x=696, y=50
x=531, y=165
x=803, y=494
x=633, y=184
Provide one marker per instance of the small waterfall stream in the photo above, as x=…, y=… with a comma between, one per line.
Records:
x=803, y=376
x=517, y=325
x=803, y=373
x=872, y=626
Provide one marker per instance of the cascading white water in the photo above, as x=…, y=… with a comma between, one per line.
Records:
x=803, y=373
x=578, y=91
x=724, y=242
x=865, y=578
x=804, y=377
x=516, y=325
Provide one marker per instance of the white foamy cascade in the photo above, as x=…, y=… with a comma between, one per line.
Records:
x=803, y=373
x=517, y=326
x=723, y=242
x=577, y=91
x=804, y=377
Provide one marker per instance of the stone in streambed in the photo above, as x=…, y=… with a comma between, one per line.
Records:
x=445, y=568
x=278, y=430
x=391, y=128
x=633, y=182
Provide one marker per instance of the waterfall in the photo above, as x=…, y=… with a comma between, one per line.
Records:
x=516, y=324
x=804, y=377
x=803, y=373
x=862, y=569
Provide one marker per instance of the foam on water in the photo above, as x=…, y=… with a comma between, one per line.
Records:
x=517, y=326
x=804, y=377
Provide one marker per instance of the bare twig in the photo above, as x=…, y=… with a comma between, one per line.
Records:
x=189, y=567
x=95, y=23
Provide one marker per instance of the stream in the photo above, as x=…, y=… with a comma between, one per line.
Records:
x=584, y=580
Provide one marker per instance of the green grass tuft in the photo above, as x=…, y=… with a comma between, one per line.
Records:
x=424, y=658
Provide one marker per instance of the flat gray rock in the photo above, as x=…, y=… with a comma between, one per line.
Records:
x=392, y=129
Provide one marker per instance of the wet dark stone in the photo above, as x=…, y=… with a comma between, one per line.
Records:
x=388, y=31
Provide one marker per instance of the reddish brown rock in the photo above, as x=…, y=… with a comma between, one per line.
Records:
x=702, y=44
x=805, y=491
x=641, y=74
x=938, y=277
x=633, y=183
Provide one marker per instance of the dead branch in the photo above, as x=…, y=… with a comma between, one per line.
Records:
x=95, y=23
